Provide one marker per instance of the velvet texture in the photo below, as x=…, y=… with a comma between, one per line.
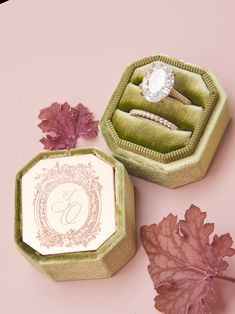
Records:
x=153, y=152
x=109, y=257
x=149, y=133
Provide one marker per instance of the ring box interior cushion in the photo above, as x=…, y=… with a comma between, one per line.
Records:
x=74, y=214
x=148, y=148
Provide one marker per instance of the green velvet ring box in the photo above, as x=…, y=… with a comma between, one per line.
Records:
x=74, y=214
x=152, y=151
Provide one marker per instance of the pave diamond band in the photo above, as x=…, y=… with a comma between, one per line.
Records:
x=158, y=83
x=180, y=97
x=153, y=117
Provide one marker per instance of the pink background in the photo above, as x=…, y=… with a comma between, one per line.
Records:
x=54, y=50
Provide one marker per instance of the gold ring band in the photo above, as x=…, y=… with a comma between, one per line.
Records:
x=153, y=117
x=175, y=94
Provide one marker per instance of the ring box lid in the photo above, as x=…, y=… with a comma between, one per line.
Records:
x=105, y=244
x=68, y=204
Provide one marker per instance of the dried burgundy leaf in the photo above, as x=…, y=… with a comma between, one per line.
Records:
x=86, y=127
x=183, y=263
x=64, y=124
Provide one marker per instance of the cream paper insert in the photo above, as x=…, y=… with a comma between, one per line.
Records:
x=68, y=204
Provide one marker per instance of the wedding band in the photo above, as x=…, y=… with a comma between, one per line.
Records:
x=158, y=83
x=153, y=117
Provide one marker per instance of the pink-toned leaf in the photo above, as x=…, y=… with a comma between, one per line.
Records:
x=86, y=127
x=183, y=262
x=64, y=124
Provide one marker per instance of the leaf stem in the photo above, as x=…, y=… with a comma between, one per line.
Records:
x=226, y=278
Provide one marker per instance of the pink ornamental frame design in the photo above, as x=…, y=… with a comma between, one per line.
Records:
x=86, y=177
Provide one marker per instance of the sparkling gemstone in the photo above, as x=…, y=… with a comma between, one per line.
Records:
x=158, y=82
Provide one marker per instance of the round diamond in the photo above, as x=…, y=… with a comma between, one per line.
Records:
x=158, y=82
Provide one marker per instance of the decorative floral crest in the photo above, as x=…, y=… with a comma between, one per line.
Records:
x=86, y=178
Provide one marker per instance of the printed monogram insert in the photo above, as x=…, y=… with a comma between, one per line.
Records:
x=65, y=207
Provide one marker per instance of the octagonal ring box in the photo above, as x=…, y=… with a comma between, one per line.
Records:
x=152, y=151
x=74, y=214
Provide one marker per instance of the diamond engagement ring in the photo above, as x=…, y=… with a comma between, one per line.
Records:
x=153, y=117
x=158, y=83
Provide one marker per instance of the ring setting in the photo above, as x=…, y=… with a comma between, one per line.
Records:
x=158, y=83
